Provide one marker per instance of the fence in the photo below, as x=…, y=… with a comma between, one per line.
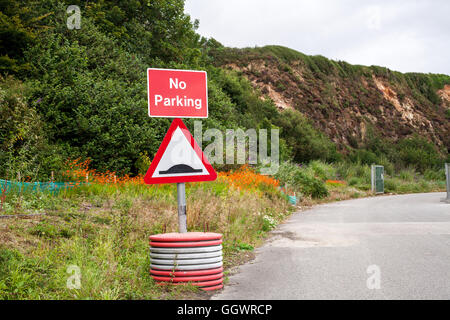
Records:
x=36, y=186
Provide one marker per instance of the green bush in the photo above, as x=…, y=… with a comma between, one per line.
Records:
x=309, y=185
x=434, y=174
x=302, y=179
x=307, y=143
x=407, y=174
x=391, y=185
x=418, y=152
x=323, y=170
x=353, y=181
x=24, y=148
x=364, y=156
x=347, y=170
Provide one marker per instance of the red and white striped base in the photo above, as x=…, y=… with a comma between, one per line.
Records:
x=187, y=258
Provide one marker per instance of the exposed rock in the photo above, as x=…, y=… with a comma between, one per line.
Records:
x=343, y=107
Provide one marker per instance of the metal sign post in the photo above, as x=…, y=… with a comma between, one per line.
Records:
x=447, y=178
x=181, y=197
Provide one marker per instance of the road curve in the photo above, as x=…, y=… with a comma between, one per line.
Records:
x=387, y=247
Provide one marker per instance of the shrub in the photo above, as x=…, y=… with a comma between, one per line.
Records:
x=391, y=185
x=323, y=170
x=306, y=142
x=364, y=157
x=303, y=179
x=388, y=165
x=310, y=185
x=434, y=174
x=24, y=148
x=407, y=174
x=353, y=181
x=418, y=152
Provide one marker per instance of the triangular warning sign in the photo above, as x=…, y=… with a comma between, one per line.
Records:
x=179, y=159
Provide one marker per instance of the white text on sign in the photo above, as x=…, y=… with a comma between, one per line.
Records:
x=178, y=101
x=177, y=93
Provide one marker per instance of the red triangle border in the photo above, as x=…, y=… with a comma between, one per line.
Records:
x=178, y=123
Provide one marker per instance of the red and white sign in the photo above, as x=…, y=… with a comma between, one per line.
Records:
x=179, y=159
x=177, y=93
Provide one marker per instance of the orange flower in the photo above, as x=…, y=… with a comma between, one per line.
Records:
x=246, y=178
x=79, y=171
x=335, y=182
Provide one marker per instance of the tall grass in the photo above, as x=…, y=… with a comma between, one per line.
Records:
x=311, y=179
x=103, y=229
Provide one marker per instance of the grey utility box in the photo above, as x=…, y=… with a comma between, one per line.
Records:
x=377, y=179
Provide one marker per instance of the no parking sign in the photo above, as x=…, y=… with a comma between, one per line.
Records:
x=177, y=93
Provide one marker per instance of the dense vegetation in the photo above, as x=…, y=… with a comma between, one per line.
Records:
x=81, y=93
x=103, y=229
x=84, y=90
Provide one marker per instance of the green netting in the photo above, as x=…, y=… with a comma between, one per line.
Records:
x=36, y=186
x=292, y=199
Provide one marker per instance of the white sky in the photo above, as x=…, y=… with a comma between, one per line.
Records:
x=408, y=36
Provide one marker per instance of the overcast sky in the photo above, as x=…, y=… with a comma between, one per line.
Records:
x=408, y=36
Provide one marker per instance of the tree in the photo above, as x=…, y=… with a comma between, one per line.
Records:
x=19, y=27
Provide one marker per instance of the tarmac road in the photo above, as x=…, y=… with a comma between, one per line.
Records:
x=386, y=247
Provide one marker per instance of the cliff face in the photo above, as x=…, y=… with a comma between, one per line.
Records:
x=344, y=100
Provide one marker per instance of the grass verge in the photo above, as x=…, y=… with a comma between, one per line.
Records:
x=101, y=230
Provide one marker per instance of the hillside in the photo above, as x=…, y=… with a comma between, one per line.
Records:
x=69, y=94
x=345, y=100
